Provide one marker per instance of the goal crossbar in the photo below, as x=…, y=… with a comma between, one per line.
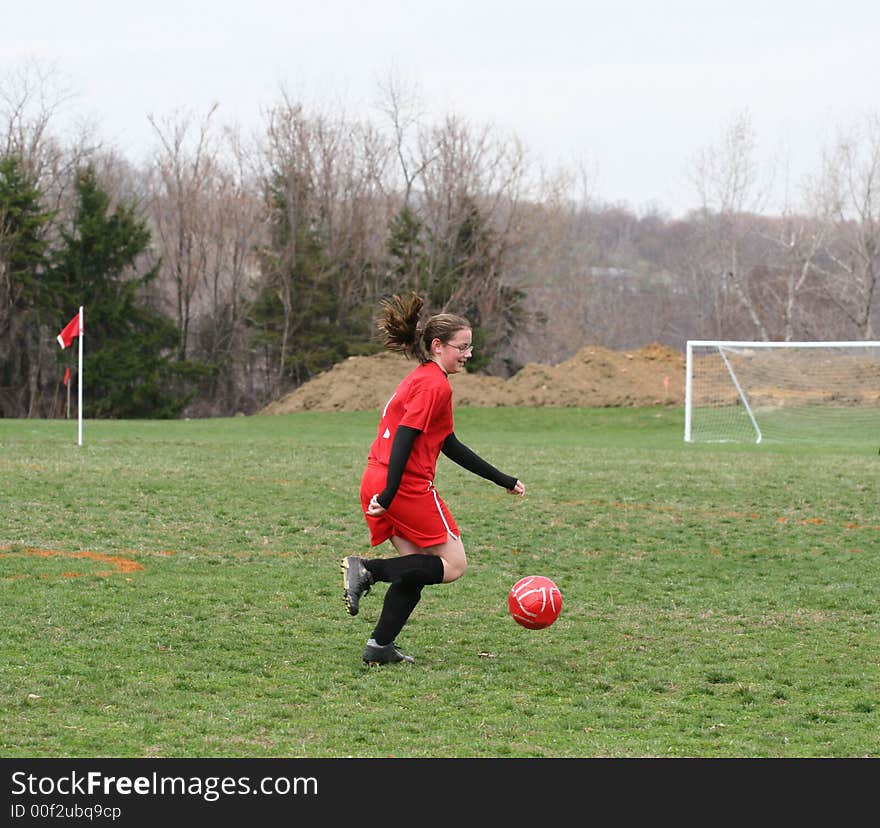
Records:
x=737, y=343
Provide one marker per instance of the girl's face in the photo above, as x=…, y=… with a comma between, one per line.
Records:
x=452, y=356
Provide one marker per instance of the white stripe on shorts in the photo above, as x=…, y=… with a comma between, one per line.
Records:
x=440, y=510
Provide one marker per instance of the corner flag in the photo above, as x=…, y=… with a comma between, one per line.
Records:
x=71, y=331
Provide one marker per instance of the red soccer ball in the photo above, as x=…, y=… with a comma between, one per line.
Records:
x=534, y=602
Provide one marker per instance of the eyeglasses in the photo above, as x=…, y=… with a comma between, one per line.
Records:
x=462, y=349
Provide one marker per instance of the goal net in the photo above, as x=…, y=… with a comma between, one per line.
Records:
x=823, y=392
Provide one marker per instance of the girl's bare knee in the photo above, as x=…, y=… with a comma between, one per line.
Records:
x=454, y=563
x=452, y=572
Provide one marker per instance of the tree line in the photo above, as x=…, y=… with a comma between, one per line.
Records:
x=225, y=270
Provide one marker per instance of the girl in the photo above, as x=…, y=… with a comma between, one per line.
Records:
x=397, y=491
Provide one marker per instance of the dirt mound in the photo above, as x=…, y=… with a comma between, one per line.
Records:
x=593, y=377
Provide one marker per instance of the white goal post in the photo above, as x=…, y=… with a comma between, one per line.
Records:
x=782, y=391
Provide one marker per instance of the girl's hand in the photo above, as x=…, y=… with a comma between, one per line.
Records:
x=374, y=509
x=518, y=489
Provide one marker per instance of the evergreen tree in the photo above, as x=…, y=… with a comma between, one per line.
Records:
x=409, y=265
x=26, y=298
x=23, y=245
x=456, y=271
x=129, y=372
x=296, y=314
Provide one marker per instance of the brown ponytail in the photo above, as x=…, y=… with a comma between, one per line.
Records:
x=401, y=329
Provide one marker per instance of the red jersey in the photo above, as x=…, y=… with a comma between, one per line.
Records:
x=423, y=401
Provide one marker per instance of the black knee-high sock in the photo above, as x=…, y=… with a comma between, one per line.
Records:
x=400, y=600
x=417, y=570
x=407, y=574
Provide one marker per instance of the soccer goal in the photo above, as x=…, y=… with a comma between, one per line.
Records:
x=762, y=392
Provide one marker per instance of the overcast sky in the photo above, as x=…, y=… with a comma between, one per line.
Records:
x=631, y=89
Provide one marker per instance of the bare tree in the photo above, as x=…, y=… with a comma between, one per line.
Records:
x=551, y=258
x=326, y=180
x=287, y=181
x=470, y=193
x=791, y=272
x=847, y=198
x=33, y=98
x=235, y=227
x=725, y=175
x=402, y=106
x=185, y=167
x=353, y=203
x=460, y=182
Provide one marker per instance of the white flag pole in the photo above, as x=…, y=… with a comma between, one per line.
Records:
x=79, y=381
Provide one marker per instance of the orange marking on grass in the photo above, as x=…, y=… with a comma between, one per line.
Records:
x=118, y=562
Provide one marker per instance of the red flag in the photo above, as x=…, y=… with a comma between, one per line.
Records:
x=70, y=332
x=67, y=375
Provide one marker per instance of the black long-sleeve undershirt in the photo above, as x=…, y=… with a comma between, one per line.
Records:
x=401, y=448
x=452, y=447
x=459, y=453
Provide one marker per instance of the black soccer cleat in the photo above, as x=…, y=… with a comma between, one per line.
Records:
x=378, y=654
x=356, y=582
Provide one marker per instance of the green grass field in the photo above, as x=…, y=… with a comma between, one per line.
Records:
x=172, y=589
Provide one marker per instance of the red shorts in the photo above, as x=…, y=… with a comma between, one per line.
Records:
x=417, y=512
